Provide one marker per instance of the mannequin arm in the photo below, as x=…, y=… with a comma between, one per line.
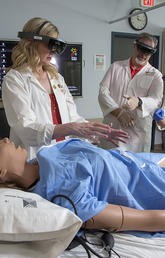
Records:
x=121, y=218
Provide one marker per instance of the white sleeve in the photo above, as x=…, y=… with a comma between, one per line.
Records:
x=153, y=100
x=21, y=118
x=106, y=102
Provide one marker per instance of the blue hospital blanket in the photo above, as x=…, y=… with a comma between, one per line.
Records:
x=93, y=177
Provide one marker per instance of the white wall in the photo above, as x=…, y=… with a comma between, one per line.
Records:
x=83, y=21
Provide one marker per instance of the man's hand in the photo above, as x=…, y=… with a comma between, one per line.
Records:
x=132, y=102
x=125, y=118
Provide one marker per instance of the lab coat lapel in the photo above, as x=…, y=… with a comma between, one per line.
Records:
x=55, y=84
x=34, y=80
x=127, y=68
x=132, y=82
x=144, y=69
x=128, y=79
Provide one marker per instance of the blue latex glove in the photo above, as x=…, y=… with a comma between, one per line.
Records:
x=158, y=115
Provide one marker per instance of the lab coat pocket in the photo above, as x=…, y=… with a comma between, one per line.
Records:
x=145, y=82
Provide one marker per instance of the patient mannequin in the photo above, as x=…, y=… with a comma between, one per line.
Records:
x=15, y=171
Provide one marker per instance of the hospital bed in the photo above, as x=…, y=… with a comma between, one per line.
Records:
x=126, y=246
x=32, y=227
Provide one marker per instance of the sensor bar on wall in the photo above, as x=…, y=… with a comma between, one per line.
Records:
x=137, y=13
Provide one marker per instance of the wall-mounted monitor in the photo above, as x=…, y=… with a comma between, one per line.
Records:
x=5, y=57
x=69, y=64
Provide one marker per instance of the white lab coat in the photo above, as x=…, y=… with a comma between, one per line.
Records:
x=146, y=84
x=28, y=109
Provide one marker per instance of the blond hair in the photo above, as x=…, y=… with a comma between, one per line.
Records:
x=25, y=53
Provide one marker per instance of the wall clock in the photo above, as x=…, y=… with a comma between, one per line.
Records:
x=138, y=22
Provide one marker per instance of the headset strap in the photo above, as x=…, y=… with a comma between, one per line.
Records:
x=41, y=26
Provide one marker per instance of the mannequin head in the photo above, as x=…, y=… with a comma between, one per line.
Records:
x=14, y=168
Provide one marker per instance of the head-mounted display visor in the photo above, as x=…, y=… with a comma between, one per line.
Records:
x=55, y=45
x=144, y=48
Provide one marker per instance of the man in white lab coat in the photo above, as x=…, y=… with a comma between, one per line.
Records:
x=130, y=93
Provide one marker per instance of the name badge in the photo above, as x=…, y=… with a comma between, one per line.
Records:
x=150, y=73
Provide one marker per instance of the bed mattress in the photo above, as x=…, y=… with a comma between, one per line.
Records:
x=127, y=246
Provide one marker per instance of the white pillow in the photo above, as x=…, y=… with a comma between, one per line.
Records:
x=28, y=217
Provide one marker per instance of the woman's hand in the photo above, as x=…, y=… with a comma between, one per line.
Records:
x=90, y=130
x=116, y=135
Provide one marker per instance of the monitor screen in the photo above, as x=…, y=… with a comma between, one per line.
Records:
x=69, y=64
x=5, y=57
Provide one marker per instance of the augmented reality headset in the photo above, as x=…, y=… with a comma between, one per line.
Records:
x=55, y=45
x=146, y=49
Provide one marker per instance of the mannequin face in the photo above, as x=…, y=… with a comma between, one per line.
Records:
x=141, y=58
x=12, y=161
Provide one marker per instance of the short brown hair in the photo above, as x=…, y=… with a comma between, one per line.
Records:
x=149, y=37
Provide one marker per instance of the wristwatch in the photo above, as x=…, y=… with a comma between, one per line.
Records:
x=140, y=102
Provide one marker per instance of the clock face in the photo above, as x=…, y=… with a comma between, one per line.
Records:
x=138, y=22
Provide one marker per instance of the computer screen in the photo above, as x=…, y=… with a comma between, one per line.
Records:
x=69, y=64
x=5, y=57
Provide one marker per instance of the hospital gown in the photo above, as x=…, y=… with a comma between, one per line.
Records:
x=93, y=177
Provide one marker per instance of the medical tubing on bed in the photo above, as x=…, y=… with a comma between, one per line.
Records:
x=91, y=250
x=80, y=239
x=107, y=241
x=66, y=197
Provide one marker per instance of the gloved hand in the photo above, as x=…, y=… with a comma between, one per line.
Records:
x=125, y=118
x=132, y=102
x=158, y=115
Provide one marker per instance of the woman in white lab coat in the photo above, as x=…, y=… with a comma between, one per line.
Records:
x=37, y=102
x=130, y=93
